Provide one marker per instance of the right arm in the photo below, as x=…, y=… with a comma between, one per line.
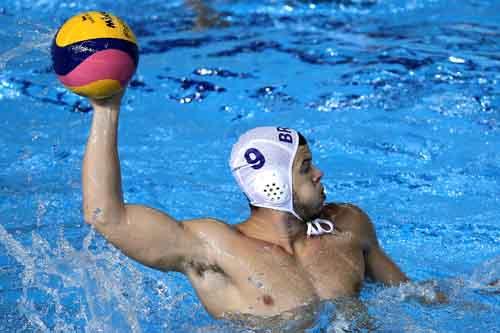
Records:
x=206, y=17
x=147, y=235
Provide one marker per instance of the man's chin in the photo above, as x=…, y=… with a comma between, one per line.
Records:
x=323, y=200
x=318, y=210
x=314, y=210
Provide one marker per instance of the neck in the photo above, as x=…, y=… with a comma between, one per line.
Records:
x=274, y=227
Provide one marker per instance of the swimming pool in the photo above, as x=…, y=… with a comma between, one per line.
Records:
x=400, y=102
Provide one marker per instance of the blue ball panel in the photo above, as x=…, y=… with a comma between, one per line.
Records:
x=65, y=59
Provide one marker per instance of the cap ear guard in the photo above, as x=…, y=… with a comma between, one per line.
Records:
x=271, y=187
x=261, y=161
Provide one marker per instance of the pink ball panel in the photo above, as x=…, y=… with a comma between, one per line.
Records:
x=107, y=64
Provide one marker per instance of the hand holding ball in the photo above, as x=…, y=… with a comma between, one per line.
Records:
x=95, y=54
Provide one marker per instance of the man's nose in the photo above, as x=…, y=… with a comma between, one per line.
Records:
x=318, y=174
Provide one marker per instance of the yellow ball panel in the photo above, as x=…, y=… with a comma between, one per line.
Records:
x=98, y=89
x=90, y=25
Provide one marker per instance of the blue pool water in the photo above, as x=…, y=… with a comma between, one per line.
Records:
x=400, y=101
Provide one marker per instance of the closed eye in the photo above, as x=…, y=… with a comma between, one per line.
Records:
x=306, y=166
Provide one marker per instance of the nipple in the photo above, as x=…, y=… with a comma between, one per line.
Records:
x=315, y=228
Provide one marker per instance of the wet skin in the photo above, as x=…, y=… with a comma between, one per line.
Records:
x=242, y=274
x=263, y=266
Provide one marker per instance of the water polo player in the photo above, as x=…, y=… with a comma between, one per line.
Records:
x=293, y=250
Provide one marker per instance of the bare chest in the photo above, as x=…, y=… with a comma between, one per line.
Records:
x=331, y=262
x=334, y=264
x=266, y=279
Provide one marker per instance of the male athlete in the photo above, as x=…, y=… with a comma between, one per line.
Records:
x=293, y=250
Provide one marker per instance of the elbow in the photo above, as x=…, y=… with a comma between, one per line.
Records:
x=98, y=216
x=92, y=216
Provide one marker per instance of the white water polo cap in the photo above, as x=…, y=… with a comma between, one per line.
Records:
x=261, y=161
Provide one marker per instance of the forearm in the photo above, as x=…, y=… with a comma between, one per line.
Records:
x=197, y=5
x=381, y=268
x=102, y=192
x=149, y=236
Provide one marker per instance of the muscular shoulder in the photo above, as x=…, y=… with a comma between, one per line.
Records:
x=208, y=227
x=348, y=217
x=211, y=232
x=344, y=212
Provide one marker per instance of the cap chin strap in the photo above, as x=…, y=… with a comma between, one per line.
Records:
x=315, y=228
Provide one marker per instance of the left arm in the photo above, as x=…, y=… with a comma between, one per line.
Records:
x=378, y=265
x=381, y=268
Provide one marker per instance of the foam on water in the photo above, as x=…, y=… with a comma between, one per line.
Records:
x=64, y=289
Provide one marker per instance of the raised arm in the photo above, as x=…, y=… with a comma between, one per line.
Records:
x=142, y=233
x=206, y=17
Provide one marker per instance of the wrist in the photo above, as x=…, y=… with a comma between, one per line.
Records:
x=110, y=104
x=105, y=107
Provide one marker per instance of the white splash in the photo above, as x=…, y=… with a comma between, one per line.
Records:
x=111, y=299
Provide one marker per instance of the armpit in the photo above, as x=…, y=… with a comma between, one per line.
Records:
x=200, y=269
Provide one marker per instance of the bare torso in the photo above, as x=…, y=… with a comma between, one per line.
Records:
x=246, y=275
x=233, y=271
